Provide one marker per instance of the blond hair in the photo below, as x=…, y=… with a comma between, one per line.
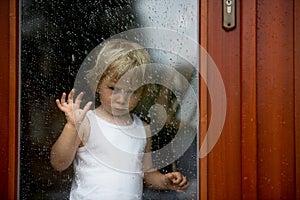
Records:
x=117, y=57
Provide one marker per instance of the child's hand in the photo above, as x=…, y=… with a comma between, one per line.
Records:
x=74, y=114
x=176, y=181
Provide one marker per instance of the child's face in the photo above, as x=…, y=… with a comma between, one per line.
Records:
x=118, y=99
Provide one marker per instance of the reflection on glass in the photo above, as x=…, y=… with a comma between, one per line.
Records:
x=56, y=36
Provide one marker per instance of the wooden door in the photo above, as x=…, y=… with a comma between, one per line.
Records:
x=257, y=155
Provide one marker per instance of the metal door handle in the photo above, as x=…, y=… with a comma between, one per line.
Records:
x=229, y=15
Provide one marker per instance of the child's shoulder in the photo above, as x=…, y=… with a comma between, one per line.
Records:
x=147, y=128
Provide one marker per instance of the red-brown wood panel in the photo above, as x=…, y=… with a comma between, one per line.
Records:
x=13, y=100
x=8, y=99
x=4, y=93
x=257, y=155
x=248, y=98
x=275, y=99
x=203, y=95
x=297, y=92
x=224, y=161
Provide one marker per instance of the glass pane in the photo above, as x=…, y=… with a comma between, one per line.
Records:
x=57, y=40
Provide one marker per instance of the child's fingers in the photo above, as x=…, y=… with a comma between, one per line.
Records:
x=86, y=108
x=79, y=99
x=183, y=188
x=61, y=103
x=58, y=104
x=79, y=114
x=170, y=176
x=168, y=181
x=183, y=183
x=175, y=177
x=63, y=98
x=70, y=96
x=179, y=182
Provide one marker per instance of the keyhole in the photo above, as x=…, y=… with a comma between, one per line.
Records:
x=228, y=2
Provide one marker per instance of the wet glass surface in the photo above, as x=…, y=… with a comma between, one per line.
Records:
x=56, y=36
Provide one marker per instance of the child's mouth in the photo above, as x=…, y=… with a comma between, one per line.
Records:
x=120, y=110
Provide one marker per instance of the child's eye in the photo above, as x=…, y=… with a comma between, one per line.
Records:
x=111, y=88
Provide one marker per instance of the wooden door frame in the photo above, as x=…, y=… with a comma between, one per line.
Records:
x=9, y=35
x=13, y=99
x=203, y=98
x=297, y=94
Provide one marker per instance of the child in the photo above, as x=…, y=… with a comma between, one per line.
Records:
x=107, y=144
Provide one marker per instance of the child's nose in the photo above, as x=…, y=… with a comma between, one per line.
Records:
x=122, y=97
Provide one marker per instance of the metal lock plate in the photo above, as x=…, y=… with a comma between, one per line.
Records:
x=229, y=14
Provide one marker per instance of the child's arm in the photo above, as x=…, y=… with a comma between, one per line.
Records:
x=64, y=149
x=156, y=180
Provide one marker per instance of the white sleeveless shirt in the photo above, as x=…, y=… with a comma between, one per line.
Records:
x=109, y=166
